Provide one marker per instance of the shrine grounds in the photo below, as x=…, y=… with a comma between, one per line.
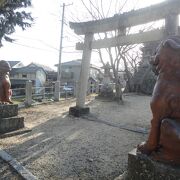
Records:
x=68, y=148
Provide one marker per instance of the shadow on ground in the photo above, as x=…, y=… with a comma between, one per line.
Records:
x=66, y=147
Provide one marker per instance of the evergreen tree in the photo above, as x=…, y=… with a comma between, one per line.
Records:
x=12, y=14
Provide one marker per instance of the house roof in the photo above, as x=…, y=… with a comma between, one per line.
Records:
x=13, y=63
x=95, y=67
x=72, y=63
x=92, y=79
x=32, y=68
x=76, y=63
x=44, y=67
x=25, y=69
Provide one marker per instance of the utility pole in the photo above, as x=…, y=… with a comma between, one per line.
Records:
x=57, y=85
x=60, y=47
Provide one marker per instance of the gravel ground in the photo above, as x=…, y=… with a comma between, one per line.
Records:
x=64, y=147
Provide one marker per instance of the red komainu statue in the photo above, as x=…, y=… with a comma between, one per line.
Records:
x=164, y=138
x=5, y=85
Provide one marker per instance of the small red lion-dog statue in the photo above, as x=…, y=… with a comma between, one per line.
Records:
x=5, y=85
x=163, y=143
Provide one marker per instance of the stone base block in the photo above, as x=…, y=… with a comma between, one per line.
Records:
x=77, y=112
x=142, y=167
x=8, y=110
x=11, y=124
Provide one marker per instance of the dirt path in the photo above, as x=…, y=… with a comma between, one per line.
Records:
x=64, y=147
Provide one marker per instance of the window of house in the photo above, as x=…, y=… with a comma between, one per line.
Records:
x=24, y=75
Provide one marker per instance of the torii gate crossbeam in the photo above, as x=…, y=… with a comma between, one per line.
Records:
x=167, y=10
x=128, y=19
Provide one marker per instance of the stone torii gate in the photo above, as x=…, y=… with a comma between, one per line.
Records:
x=168, y=10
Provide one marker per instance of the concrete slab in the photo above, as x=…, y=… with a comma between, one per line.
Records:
x=23, y=172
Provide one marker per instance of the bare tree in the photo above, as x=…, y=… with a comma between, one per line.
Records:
x=119, y=58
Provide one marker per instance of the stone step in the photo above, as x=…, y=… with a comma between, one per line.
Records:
x=8, y=110
x=11, y=124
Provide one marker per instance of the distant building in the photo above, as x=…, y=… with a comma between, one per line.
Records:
x=51, y=75
x=38, y=74
x=70, y=72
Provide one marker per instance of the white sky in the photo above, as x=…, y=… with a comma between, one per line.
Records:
x=40, y=43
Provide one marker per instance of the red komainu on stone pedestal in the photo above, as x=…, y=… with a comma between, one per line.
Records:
x=164, y=138
x=9, y=119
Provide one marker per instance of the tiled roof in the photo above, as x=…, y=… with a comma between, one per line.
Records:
x=25, y=70
x=13, y=63
x=44, y=67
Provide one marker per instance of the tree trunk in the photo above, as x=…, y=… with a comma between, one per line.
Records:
x=119, y=93
x=128, y=86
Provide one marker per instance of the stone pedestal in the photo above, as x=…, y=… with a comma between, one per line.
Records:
x=77, y=111
x=8, y=110
x=142, y=167
x=9, y=119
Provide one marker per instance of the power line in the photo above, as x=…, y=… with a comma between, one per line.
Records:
x=41, y=41
x=37, y=48
x=73, y=52
x=68, y=46
x=79, y=38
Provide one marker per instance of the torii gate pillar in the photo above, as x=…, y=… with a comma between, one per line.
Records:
x=171, y=24
x=80, y=108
